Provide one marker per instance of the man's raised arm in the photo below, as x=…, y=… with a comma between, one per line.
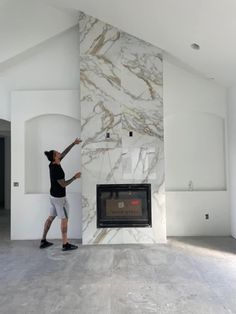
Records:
x=66, y=151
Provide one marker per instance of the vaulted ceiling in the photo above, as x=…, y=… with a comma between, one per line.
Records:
x=172, y=25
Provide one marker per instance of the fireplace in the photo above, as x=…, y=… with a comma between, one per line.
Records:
x=123, y=205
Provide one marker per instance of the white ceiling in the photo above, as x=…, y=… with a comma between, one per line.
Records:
x=172, y=25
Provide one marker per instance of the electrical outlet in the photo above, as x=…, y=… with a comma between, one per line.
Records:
x=206, y=216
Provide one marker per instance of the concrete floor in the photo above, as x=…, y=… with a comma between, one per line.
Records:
x=187, y=275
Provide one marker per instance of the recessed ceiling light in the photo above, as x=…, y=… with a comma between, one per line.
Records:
x=195, y=46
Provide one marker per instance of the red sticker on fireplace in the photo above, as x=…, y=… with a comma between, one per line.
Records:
x=135, y=202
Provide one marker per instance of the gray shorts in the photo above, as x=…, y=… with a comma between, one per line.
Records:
x=59, y=207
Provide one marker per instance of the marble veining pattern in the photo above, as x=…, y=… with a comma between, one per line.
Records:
x=121, y=91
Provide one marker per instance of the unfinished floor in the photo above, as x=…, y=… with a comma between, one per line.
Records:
x=187, y=275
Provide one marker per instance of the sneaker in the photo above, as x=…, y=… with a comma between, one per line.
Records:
x=44, y=244
x=69, y=247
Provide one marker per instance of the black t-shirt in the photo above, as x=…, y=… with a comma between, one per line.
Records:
x=56, y=173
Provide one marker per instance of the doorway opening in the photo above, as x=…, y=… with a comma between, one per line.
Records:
x=5, y=178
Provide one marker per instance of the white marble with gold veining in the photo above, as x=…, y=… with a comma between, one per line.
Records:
x=121, y=91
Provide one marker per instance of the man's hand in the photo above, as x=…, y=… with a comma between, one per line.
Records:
x=77, y=175
x=77, y=141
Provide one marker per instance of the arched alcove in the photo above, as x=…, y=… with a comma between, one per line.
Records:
x=47, y=132
x=195, y=152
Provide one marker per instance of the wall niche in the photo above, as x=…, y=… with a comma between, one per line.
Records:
x=42, y=133
x=197, y=140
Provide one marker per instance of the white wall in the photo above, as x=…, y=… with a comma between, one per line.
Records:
x=232, y=157
x=51, y=65
x=29, y=210
x=187, y=95
x=54, y=65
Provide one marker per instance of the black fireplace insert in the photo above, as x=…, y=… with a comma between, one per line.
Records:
x=123, y=205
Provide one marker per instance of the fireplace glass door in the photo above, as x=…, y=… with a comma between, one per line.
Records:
x=123, y=205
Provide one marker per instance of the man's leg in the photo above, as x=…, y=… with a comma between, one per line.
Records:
x=47, y=226
x=44, y=243
x=66, y=245
x=64, y=224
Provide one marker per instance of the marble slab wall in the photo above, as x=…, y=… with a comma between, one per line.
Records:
x=121, y=85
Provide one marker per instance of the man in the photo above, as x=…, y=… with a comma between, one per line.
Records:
x=59, y=204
